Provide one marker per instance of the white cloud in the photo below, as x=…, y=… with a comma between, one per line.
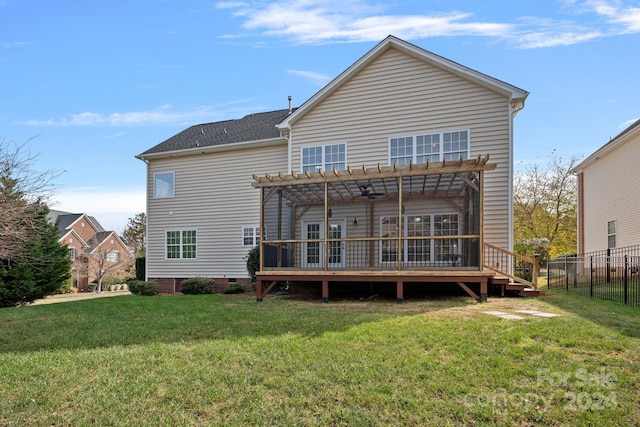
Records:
x=164, y=115
x=317, y=22
x=312, y=76
x=331, y=21
x=533, y=40
x=617, y=13
x=110, y=207
x=628, y=123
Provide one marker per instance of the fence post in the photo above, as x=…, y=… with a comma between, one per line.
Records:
x=591, y=278
x=608, y=273
x=625, y=279
x=536, y=267
x=566, y=274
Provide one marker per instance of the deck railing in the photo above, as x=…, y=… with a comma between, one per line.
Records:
x=519, y=268
x=357, y=254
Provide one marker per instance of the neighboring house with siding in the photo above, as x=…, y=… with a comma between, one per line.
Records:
x=405, y=159
x=608, y=213
x=91, y=247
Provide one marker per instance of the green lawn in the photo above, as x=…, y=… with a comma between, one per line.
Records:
x=227, y=360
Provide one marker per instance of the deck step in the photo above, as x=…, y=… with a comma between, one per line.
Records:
x=528, y=292
x=515, y=287
x=499, y=280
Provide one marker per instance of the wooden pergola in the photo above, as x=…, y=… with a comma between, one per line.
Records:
x=286, y=199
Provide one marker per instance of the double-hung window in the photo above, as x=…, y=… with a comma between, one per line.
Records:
x=181, y=244
x=429, y=147
x=250, y=236
x=163, y=185
x=325, y=157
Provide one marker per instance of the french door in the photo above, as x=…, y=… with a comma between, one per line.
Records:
x=313, y=252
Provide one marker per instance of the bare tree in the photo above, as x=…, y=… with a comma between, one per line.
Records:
x=22, y=189
x=104, y=259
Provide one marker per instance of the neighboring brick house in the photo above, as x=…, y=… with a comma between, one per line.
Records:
x=91, y=248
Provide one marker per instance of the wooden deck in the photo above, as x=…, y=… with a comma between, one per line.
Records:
x=461, y=278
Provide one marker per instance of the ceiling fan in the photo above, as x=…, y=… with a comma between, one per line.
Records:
x=366, y=192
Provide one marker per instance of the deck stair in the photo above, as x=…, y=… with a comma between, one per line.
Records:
x=506, y=283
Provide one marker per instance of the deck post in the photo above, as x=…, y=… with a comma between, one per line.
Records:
x=400, y=291
x=325, y=291
x=483, y=290
x=258, y=289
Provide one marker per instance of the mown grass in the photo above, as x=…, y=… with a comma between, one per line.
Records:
x=227, y=360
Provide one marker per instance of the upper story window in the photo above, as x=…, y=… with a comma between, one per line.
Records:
x=113, y=256
x=73, y=254
x=432, y=147
x=163, y=185
x=611, y=234
x=325, y=157
x=181, y=244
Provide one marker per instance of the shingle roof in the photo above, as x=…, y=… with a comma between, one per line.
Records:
x=96, y=240
x=253, y=127
x=65, y=219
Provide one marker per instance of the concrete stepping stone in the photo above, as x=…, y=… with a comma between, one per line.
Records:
x=504, y=315
x=537, y=313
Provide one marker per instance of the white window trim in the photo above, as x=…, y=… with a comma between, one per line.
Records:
x=323, y=153
x=256, y=235
x=173, y=189
x=414, y=138
x=180, y=258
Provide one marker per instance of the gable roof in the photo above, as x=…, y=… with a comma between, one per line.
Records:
x=515, y=94
x=617, y=141
x=96, y=241
x=250, y=128
x=65, y=220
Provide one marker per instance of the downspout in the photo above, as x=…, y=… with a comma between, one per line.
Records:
x=289, y=169
x=512, y=112
x=146, y=224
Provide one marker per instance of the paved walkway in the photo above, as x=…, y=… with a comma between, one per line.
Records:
x=52, y=299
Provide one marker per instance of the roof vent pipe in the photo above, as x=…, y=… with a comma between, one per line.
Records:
x=290, y=110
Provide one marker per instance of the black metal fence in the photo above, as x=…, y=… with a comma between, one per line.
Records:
x=613, y=274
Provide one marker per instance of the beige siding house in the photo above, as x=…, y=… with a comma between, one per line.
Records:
x=401, y=165
x=608, y=213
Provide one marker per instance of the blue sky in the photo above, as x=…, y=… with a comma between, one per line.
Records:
x=94, y=83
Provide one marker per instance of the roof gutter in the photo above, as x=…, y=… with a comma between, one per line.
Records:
x=213, y=149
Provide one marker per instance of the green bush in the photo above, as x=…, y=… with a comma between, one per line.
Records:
x=92, y=287
x=108, y=281
x=233, y=289
x=197, y=286
x=65, y=288
x=125, y=287
x=141, y=287
x=147, y=289
x=253, y=261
